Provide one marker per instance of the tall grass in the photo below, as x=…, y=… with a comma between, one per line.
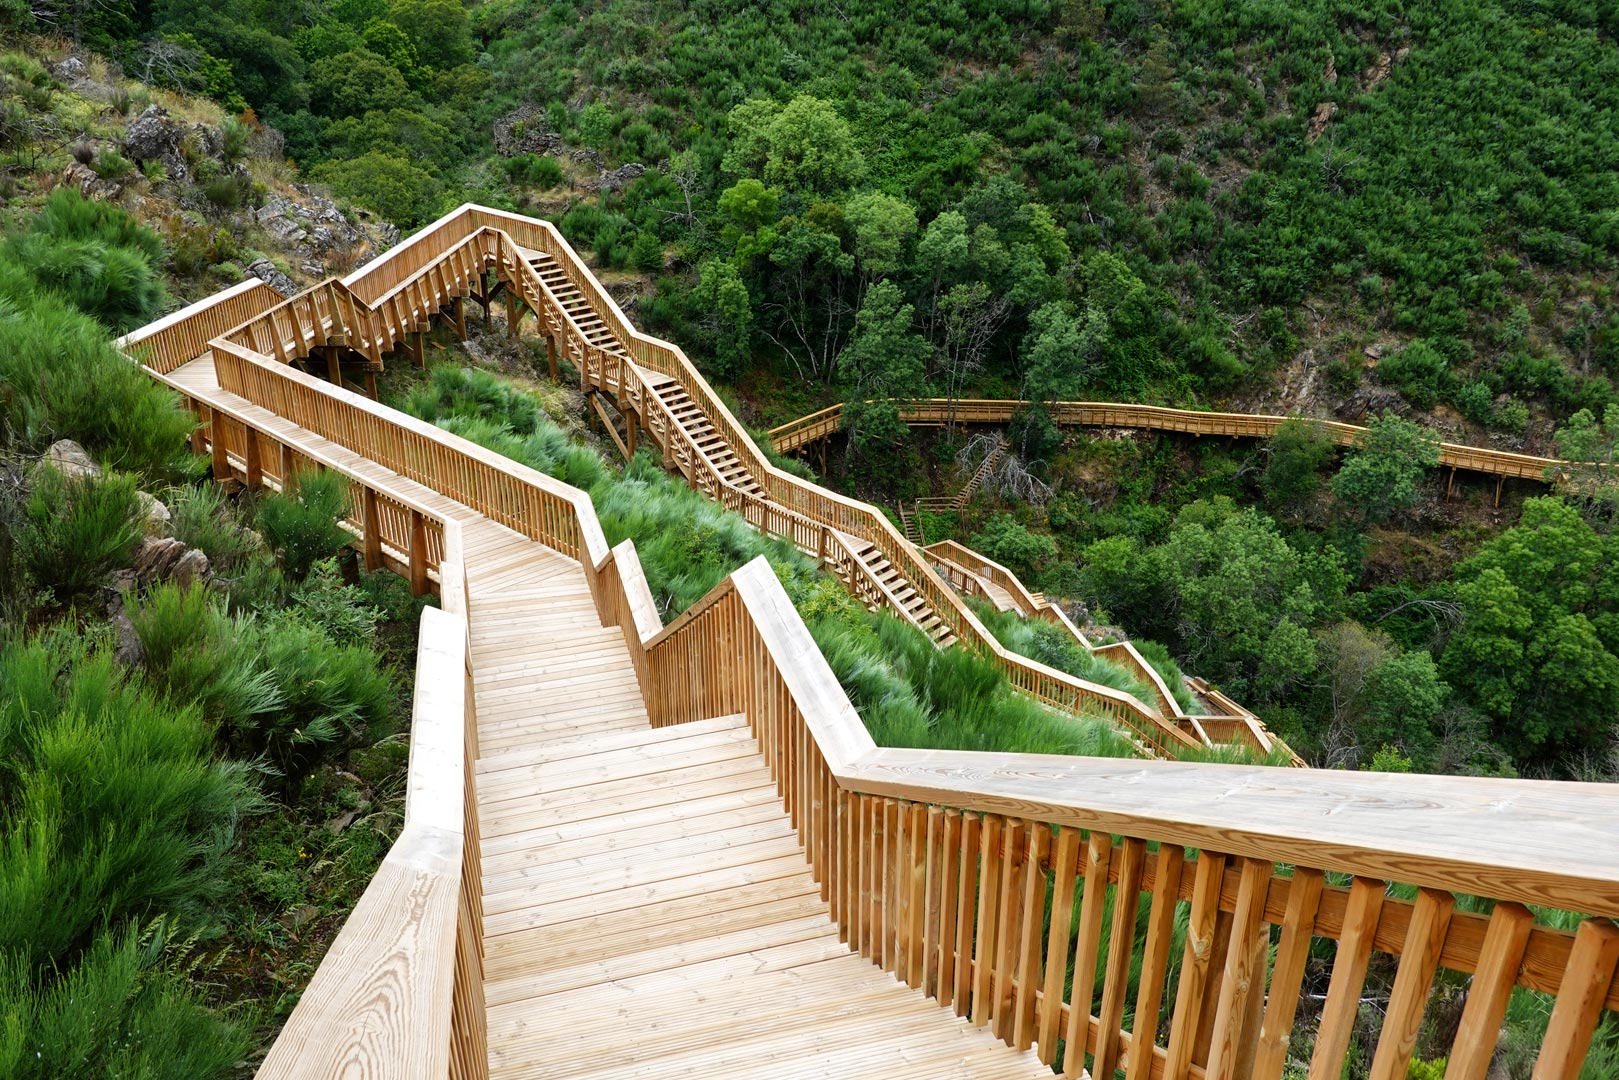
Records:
x=77, y=529
x=95, y=255
x=1053, y=646
x=64, y=380
x=302, y=525
x=279, y=688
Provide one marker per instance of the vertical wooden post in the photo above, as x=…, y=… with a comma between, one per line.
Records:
x=551, y=355
x=221, y=462
x=487, y=298
x=418, y=348
x=1586, y=979
x=513, y=315
x=334, y=367
x=630, y=423
x=371, y=540
x=371, y=383
x=458, y=315
x=1450, y=483
x=199, y=441
x=1499, y=480
x=253, y=468
x=418, y=553
x=289, y=471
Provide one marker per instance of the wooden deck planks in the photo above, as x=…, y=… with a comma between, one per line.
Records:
x=643, y=890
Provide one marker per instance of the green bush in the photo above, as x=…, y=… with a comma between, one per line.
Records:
x=121, y=1010
x=201, y=517
x=113, y=805
x=79, y=529
x=540, y=171
x=303, y=527
x=280, y=688
x=96, y=256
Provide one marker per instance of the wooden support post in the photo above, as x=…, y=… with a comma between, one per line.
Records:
x=371, y=383
x=551, y=355
x=221, y=462
x=334, y=367
x=199, y=441
x=630, y=424
x=371, y=541
x=418, y=553
x=514, y=316
x=253, y=468
x=1499, y=480
x=289, y=471
x=1450, y=483
x=458, y=316
x=485, y=300
x=418, y=348
x=822, y=545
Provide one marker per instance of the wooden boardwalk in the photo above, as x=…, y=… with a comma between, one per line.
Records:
x=648, y=908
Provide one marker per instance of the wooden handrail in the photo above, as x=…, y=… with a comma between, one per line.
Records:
x=796, y=433
x=183, y=336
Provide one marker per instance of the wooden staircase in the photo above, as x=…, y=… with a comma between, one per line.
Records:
x=981, y=474
x=700, y=432
x=574, y=303
x=896, y=584
x=910, y=524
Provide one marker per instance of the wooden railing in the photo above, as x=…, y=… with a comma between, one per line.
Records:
x=931, y=411
x=967, y=570
x=183, y=336
x=937, y=864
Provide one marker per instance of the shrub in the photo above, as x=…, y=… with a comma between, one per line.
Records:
x=279, y=687
x=303, y=527
x=121, y=1010
x=1012, y=545
x=541, y=171
x=201, y=517
x=109, y=164
x=79, y=529
x=114, y=806
x=95, y=255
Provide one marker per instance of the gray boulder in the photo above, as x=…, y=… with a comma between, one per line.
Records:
x=154, y=136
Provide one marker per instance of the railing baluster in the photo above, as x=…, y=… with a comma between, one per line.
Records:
x=1348, y=976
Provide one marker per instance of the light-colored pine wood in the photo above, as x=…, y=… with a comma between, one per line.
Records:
x=1166, y=881
x=1065, y=878
x=1424, y=939
x=1287, y=976
x=1087, y=941
x=1208, y=877
x=1348, y=976
x=1120, y=948
x=1579, y=1002
x=1488, y=993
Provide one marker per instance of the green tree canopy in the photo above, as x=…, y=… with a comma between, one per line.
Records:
x=1379, y=476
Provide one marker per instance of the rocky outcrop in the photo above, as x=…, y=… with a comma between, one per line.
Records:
x=617, y=179
x=155, y=517
x=155, y=136
x=163, y=558
x=84, y=179
x=525, y=130
x=267, y=272
x=69, y=458
x=316, y=228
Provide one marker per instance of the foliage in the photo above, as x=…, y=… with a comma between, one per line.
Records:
x=64, y=379
x=1227, y=591
x=1537, y=649
x=385, y=182
x=95, y=255
x=78, y=529
x=201, y=516
x=1588, y=448
x=1380, y=474
x=303, y=526
x=1296, y=455
x=279, y=687
x=1012, y=545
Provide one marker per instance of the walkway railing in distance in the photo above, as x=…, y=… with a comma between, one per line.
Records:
x=933, y=411
x=967, y=569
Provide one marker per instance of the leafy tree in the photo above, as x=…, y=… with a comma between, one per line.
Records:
x=1538, y=645
x=748, y=204
x=386, y=183
x=882, y=363
x=1295, y=456
x=1011, y=544
x=355, y=83
x=728, y=315
x=1588, y=448
x=1062, y=351
x=883, y=228
x=803, y=146
x=1379, y=476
